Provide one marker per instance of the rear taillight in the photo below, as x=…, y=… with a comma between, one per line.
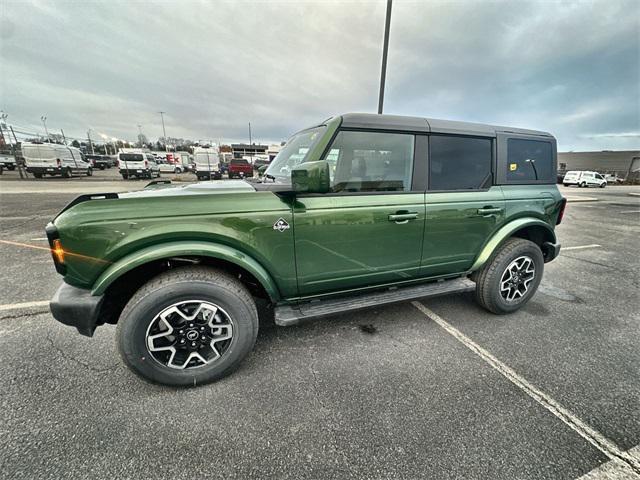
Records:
x=146, y=164
x=563, y=204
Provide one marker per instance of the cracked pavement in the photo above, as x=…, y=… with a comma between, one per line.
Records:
x=329, y=398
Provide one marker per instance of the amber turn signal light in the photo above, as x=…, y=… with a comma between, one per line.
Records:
x=58, y=251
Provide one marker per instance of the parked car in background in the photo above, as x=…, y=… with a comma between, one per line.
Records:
x=207, y=163
x=54, y=159
x=239, y=167
x=584, y=179
x=341, y=224
x=100, y=161
x=8, y=161
x=139, y=164
x=260, y=161
x=613, y=178
x=184, y=160
x=165, y=167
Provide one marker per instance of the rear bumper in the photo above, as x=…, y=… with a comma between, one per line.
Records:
x=77, y=308
x=550, y=251
x=135, y=171
x=47, y=170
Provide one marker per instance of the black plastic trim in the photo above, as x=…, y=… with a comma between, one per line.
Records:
x=77, y=308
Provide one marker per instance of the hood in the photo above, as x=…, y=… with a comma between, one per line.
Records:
x=201, y=188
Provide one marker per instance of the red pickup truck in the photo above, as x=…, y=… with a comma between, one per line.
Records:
x=239, y=167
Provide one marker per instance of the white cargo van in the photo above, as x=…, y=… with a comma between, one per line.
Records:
x=8, y=161
x=207, y=162
x=137, y=163
x=584, y=179
x=53, y=159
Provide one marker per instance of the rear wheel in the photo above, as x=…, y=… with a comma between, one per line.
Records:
x=66, y=173
x=187, y=326
x=89, y=172
x=510, y=277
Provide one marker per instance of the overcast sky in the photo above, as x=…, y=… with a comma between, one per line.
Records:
x=571, y=68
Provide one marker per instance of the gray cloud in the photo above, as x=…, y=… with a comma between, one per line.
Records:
x=569, y=68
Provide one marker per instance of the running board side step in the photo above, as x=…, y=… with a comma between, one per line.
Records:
x=286, y=315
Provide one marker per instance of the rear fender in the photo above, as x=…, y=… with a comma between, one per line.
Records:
x=504, y=233
x=183, y=249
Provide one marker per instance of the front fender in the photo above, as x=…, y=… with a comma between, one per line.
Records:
x=505, y=232
x=182, y=249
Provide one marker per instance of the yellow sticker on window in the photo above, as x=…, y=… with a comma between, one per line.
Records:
x=513, y=167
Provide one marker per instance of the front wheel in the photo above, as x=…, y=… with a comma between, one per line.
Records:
x=187, y=326
x=125, y=176
x=89, y=172
x=583, y=185
x=602, y=185
x=510, y=277
x=67, y=173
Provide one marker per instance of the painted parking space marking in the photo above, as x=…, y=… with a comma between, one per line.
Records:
x=18, y=306
x=581, y=247
x=630, y=211
x=594, y=437
x=614, y=469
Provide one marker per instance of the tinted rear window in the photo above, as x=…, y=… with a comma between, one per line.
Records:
x=529, y=160
x=239, y=162
x=131, y=157
x=459, y=163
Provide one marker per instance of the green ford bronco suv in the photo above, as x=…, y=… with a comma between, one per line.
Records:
x=360, y=210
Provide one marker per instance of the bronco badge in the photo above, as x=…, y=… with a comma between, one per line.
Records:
x=281, y=225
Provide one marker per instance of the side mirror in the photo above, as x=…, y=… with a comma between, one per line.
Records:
x=311, y=177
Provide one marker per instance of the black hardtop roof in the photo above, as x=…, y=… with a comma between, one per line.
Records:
x=428, y=125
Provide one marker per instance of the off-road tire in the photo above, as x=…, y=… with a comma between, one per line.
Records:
x=488, y=278
x=182, y=284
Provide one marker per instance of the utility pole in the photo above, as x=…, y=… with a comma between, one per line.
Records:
x=90, y=144
x=164, y=133
x=385, y=49
x=250, y=142
x=44, y=122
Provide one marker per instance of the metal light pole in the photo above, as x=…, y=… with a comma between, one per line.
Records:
x=385, y=49
x=90, y=143
x=164, y=133
x=44, y=122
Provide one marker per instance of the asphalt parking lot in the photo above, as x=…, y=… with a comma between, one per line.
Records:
x=428, y=392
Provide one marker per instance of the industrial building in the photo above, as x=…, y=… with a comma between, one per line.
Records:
x=625, y=164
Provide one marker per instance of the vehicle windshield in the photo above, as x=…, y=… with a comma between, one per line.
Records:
x=292, y=154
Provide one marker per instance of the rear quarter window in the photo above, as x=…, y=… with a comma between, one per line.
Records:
x=529, y=160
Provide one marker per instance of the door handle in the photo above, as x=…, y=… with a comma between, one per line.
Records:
x=403, y=217
x=489, y=210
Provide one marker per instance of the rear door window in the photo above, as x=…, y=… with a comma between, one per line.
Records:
x=459, y=163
